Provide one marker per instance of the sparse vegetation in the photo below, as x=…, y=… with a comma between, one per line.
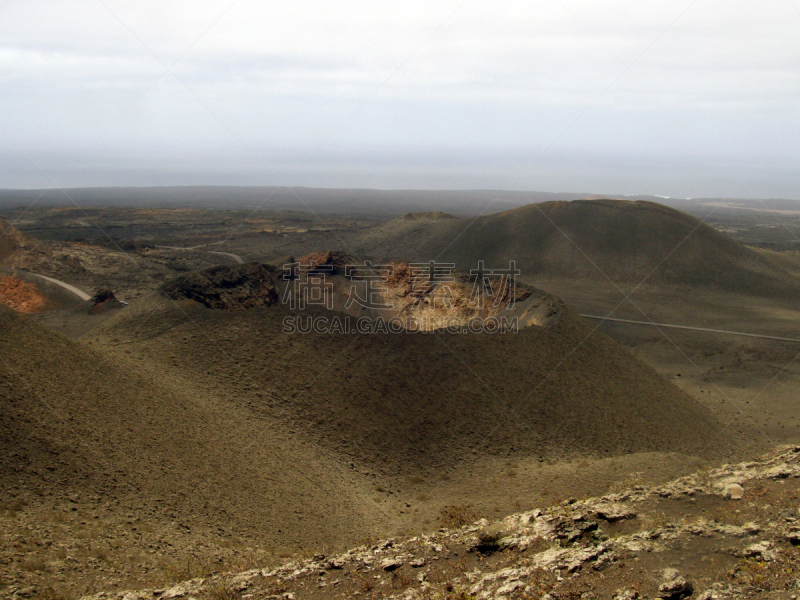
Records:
x=35, y=564
x=52, y=593
x=487, y=542
x=187, y=568
x=633, y=480
x=454, y=516
x=223, y=589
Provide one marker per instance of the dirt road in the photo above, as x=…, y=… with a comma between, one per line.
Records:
x=81, y=294
x=690, y=328
x=235, y=257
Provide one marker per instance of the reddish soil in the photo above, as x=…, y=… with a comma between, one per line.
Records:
x=20, y=296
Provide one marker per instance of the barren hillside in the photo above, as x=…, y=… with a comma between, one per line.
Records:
x=82, y=421
x=625, y=241
x=415, y=402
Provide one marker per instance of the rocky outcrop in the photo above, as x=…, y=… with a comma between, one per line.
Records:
x=227, y=288
x=104, y=300
x=579, y=548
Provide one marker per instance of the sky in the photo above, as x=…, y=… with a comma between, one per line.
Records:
x=681, y=98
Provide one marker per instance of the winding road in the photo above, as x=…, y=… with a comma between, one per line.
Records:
x=79, y=293
x=235, y=257
x=690, y=328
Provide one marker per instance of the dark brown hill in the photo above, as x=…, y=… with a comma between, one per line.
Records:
x=626, y=241
x=79, y=422
x=406, y=403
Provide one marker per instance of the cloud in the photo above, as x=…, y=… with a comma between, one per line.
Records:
x=694, y=80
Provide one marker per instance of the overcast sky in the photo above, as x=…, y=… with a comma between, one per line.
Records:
x=674, y=97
